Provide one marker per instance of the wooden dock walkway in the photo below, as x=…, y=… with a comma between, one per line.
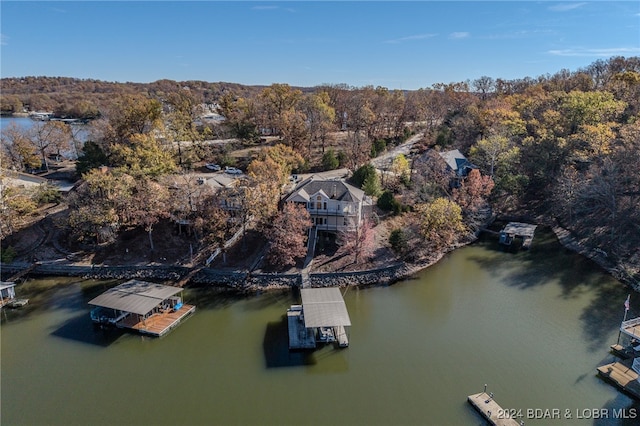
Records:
x=20, y=274
x=621, y=374
x=491, y=410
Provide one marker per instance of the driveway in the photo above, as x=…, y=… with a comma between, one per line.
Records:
x=384, y=161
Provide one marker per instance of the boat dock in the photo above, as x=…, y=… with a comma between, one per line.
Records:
x=145, y=307
x=321, y=318
x=621, y=374
x=300, y=337
x=514, y=230
x=631, y=328
x=491, y=410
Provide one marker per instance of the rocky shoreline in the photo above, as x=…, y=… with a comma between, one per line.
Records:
x=234, y=280
x=248, y=282
x=569, y=242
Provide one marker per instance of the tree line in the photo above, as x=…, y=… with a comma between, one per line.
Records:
x=564, y=145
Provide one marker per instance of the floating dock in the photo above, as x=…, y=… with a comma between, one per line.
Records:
x=621, y=374
x=491, y=410
x=631, y=328
x=514, y=230
x=623, y=352
x=158, y=324
x=300, y=337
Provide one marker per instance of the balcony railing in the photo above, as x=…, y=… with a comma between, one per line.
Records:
x=331, y=212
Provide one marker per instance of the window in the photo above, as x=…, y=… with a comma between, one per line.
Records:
x=318, y=202
x=325, y=205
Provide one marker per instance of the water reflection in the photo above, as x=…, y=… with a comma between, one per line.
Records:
x=276, y=347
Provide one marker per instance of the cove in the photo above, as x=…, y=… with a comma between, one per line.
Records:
x=531, y=325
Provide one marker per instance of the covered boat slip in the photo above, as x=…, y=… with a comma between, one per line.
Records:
x=146, y=307
x=322, y=317
x=514, y=230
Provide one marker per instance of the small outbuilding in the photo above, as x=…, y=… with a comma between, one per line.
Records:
x=322, y=318
x=148, y=308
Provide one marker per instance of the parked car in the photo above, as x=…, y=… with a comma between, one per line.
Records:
x=232, y=171
x=212, y=166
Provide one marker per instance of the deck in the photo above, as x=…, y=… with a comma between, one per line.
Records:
x=490, y=409
x=631, y=328
x=158, y=324
x=623, y=376
x=299, y=336
x=341, y=336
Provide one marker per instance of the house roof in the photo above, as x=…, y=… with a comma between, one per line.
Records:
x=456, y=161
x=138, y=297
x=324, y=307
x=335, y=189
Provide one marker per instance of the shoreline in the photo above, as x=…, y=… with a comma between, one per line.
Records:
x=247, y=282
x=242, y=281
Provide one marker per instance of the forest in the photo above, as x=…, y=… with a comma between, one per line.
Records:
x=560, y=148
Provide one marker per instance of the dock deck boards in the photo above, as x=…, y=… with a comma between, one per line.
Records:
x=158, y=324
x=490, y=409
x=299, y=336
x=622, y=375
x=632, y=330
x=341, y=336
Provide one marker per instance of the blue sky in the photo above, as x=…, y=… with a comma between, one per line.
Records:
x=399, y=45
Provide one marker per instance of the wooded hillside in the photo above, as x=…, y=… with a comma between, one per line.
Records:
x=563, y=147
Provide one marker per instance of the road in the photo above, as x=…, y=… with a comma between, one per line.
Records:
x=384, y=161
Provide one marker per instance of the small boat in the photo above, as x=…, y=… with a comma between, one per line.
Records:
x=17, y=303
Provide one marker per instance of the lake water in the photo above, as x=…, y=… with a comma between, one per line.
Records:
x=25, y=123
x=532, y=325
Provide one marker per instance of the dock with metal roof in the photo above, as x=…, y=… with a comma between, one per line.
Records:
x=322, y=318
x=145, y=307
x=514, y=230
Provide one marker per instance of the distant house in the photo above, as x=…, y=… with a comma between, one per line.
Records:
x=334, y=205
x=458, y=164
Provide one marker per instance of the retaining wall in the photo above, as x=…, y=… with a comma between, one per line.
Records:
x=207, y=276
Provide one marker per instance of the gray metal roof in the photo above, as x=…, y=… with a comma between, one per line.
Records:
x=135, y=296
x=324, y=307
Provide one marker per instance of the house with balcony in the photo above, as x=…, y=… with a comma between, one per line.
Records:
x=333, y=204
